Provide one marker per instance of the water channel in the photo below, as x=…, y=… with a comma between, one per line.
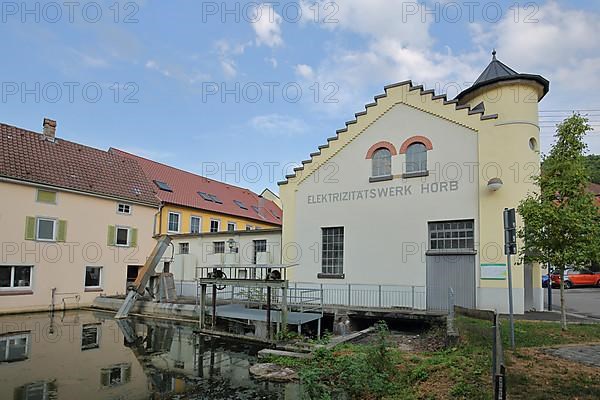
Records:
x=88, y=355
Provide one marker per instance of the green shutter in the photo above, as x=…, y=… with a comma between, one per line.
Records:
x=29, y=228
x=112, y=235
x=62, y=231
x=134, y=237
x=104, y=377
x=127, y=373
x=46, y=196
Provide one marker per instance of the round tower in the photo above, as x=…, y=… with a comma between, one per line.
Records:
x=508, y=158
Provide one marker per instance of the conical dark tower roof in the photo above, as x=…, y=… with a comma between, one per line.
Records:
x=497, y=71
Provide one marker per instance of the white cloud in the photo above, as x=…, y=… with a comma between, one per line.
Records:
x=305, y=71
x=272, y=61
x=177, y=72
x=561, y=46
x=278, y=125
x=151, y=64
x=267, y=26
x=227, y=53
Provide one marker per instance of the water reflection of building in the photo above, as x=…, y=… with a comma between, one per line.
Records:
x=86, y=355
x=78, y=355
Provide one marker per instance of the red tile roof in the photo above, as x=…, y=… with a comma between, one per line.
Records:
x=186, y=185
x=29, y=156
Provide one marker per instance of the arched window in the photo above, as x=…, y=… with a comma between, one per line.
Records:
x=382, y=162
x=416, y=158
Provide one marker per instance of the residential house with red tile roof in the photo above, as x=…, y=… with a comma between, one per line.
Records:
x=192, y=203
x=75, y=220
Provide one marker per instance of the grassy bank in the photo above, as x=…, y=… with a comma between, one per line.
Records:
x=379, y=370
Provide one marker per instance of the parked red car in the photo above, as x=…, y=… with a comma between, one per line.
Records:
x=574, y=277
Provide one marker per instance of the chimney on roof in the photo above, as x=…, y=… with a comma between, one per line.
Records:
x=49, y=129
x=261, y=206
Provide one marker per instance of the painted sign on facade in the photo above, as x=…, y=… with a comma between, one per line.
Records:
x=382, y=192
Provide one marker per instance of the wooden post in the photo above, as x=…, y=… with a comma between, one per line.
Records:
x=202, y=306
x=269, y=312
x=214, y=307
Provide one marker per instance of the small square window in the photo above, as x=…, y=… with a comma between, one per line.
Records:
x=184, y=248
x=46, y=196
x=163, y=186
x=214, y=225
x=219, y=247
x=122, y=236
x=231, y=226
x=46, y=229
x=92, y=277
x=123, y=208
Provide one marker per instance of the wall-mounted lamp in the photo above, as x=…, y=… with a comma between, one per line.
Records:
x=494, y=184
x=231, y=243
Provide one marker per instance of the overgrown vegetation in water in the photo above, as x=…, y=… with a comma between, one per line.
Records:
x=379, y=370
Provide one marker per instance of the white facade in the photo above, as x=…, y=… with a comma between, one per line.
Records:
x=262, y=246
x=386, y=236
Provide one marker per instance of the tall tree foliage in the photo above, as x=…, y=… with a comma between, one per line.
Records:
x=593, y=164
x=561, y=220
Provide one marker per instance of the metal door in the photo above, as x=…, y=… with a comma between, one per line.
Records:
x=450, y=271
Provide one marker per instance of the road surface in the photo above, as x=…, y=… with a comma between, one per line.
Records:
x=583, y=301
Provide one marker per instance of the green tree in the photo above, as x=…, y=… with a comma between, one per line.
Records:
x=561, y=220
x=592, y=162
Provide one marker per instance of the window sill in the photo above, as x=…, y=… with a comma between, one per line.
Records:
x=331, y=276
x=15, y=292
x=381, y=178
x=450, y=252
x=415, y=174
x=93, y=289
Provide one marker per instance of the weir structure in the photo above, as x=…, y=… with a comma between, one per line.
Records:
x=256, y=292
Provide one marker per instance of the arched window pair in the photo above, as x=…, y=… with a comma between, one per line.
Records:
x=415, y=149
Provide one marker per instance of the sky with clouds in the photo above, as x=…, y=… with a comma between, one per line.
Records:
x=244, y=91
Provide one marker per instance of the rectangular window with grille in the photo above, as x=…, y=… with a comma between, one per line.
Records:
x=332, y=251
x=184, y=248
x=451, y=236
x=219, y=247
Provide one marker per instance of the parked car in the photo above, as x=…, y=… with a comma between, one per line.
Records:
x=574, y=277
x=545, y=280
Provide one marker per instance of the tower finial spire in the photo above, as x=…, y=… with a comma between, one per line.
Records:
x=494, y=54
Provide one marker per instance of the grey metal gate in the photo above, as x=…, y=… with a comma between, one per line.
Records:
x=450, y=271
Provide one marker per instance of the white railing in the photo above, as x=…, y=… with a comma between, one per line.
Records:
x=368, y=296
x=311, y=295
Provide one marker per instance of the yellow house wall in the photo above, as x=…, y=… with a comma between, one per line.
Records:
x=54, y=353
x=187, y=213
x=62, y=265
